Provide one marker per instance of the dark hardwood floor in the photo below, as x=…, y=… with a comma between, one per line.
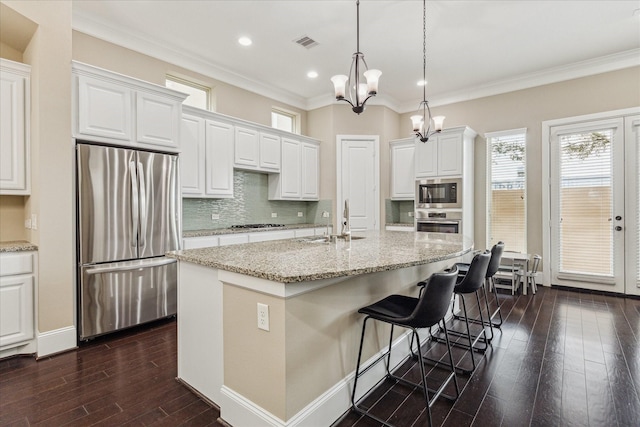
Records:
x=562, y=358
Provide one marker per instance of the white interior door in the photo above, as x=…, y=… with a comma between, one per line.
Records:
x=587, y=201
x=358, y=177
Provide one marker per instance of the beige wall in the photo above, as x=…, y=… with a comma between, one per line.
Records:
x=529, y=108
x=12, y=218
x=229, y=100
x=49, y=54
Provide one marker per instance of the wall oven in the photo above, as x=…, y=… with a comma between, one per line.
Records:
x=439, y=193
x=439, y=222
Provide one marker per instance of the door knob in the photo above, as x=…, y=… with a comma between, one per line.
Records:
x=618, y=228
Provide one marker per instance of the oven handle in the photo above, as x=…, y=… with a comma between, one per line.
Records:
x=435, y=221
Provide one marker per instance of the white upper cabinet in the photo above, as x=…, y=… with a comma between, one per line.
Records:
x=269, y=152
x=206, y=159
x=247, y=148
x=256, y=150
x=403, y=179
x=158, y=120
x=15, y=162
x=192, y=156
x=219, y=159
x=445, y=154
x=112, y=108
x=299, y=174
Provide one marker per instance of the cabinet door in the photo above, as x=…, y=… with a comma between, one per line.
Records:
x=104, y=109
x=246, y=148
x=219, y=159
x=192, y=157
x=14, y=159
x=290, y=172
x=269, y=152
x=403, y=179
x=426, y=158
x=158, y=121
x=450, y=155
x=310, y=179
x=16, y=309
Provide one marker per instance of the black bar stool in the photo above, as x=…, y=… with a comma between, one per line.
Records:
x=411, y=313
x=492, y=269
x=470, y=284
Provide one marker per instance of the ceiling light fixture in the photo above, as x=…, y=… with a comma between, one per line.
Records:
x=245, y=41
x=424, y=120
x=312, y=74
x=359, y=93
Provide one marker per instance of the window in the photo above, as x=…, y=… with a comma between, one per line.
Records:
x=199, y=96
x=506, y=189
x=284, y=120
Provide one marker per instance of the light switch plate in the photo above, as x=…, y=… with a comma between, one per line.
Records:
x=274, y=214
x=300, y=214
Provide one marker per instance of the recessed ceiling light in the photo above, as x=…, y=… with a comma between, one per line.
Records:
x=312, y=74
x=422, y=82
x=245, y=41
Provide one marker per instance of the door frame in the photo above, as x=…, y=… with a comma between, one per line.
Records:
x=546, y=175
x=375, y=140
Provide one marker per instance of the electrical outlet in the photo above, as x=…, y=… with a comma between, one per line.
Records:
x=410, y=214
x=300, y=214
x=27, y=223
x=274, y=214
x=215, y=216
x=263, y=316
x=34, y=221
x=325, y=214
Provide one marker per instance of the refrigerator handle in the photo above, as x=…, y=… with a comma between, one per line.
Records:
x=134, y=204
x=143, y=206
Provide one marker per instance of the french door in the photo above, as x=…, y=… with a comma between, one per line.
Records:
x=594, y=221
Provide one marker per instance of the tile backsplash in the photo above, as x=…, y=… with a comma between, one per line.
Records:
x=249, y=205
x=397, y=212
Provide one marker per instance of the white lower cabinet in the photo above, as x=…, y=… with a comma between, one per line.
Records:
x=238, y=238
x=17, y=282
x=200, y=242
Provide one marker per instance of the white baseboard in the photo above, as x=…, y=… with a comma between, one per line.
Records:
x=236, y=410
x=57, y=341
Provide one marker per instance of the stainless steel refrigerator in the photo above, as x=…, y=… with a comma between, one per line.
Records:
x=128, y=218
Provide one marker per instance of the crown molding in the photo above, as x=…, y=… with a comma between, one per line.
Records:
x=192, y=61
x=603, y=64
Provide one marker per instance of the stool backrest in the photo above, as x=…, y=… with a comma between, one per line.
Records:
x=536, y=264
x=435, y=299
x=494, y=262
x=474, y=279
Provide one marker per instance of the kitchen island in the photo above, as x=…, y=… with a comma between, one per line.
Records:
x=292, y=362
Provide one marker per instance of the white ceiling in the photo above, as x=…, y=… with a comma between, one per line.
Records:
x=474, y=48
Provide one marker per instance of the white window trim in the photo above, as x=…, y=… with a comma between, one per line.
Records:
x=185, y=81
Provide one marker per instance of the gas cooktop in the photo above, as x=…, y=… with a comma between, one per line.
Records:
x=257, y=225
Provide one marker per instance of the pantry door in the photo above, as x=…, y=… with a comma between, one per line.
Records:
x=591, y=219
x=358, y=177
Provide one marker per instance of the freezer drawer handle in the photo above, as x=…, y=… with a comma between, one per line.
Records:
x=134, y=204
x=143, y=203
x=136, y=266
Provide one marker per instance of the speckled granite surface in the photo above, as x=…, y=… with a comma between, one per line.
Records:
x=17, y=246
x=218, y=231
x=298, y=260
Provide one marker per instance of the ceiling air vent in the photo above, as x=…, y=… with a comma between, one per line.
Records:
x=306, y=41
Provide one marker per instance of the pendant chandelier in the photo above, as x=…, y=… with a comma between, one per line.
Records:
x=359, y=92
x=422, y=123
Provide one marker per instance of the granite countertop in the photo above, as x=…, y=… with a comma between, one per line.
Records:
x=17, y=246
x=218, y=231
x=301, y=259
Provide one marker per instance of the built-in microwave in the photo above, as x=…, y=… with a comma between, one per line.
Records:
x=440, y=193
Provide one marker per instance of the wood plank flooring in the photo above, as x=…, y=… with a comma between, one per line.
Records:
x=562, y=358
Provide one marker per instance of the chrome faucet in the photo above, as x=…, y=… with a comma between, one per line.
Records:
x=346, y=224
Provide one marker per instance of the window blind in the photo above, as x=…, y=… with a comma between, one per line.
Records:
x=586, y=203
x=506, y=193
